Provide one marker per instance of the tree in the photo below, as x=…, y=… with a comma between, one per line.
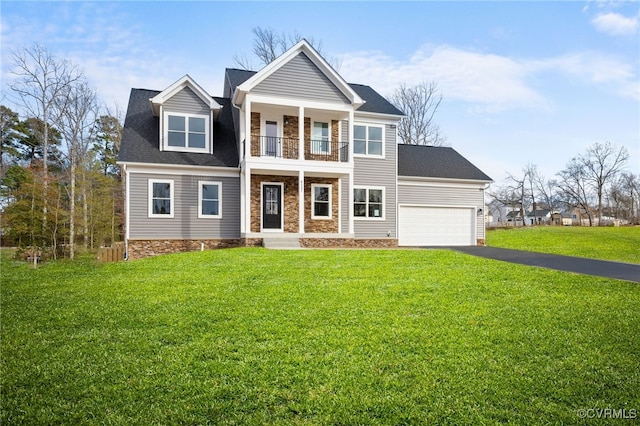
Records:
x=8, y=135
x=269, y=44
x=76, y=122
x=574, y=187
x=420, y=104
x=42, y=83
x=106, y=144
x=602, y=163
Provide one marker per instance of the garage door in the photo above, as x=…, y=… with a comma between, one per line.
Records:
x=436, y=226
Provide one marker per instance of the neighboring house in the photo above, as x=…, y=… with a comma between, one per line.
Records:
x=514, y=218
x=539, y=217
x=289, y=152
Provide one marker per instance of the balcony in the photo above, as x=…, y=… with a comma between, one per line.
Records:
x=287, y=148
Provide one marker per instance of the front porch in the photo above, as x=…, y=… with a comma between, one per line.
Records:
x=298, y=205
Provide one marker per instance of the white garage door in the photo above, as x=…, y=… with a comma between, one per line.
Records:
x=436, y=226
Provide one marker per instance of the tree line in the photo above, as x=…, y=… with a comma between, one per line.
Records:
x=595, y=182
x=60, y=186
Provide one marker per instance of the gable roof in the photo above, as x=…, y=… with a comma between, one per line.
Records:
x=185, y=81
x=436, y=162
x=141, y=135
x=301, y=47
x=373, y=101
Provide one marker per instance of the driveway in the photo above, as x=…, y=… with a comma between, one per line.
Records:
x=599, y=268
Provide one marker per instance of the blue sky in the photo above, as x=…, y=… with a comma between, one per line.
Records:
x=523, y=82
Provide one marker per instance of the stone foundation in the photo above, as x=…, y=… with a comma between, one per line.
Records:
x=138, y=249
x=480, y=242
x=349, y=243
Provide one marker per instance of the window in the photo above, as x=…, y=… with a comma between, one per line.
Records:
x=160, y=198
x=320, y=138
x=186, y=132
x=209, y=200
x=367, y=140
x=321, y=201
x=368, y=202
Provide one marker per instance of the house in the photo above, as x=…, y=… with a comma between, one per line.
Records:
x=539, y=217
x=289, y=153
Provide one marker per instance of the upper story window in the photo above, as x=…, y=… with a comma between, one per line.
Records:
x=367, y=140
x=186, y=132
x=320, y=138
x=160, y=198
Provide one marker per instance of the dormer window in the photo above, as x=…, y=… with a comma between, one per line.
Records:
x=186, y=132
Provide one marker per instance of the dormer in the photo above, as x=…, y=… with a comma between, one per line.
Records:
x=186, y=114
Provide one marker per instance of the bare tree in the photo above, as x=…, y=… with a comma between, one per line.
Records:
x=574, y=186
x=269, y=44
x=41, y=85
x=78, y=118
x=420, y=104
x=602, y=163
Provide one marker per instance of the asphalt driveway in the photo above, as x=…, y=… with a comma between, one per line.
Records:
x=599, y=268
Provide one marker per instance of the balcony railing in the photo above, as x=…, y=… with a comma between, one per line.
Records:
x=287, y=148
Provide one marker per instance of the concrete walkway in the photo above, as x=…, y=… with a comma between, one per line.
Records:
x=599, y=268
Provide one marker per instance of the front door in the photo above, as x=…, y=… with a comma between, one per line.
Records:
x=271, y=206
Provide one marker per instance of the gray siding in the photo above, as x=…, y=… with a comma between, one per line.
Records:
x=346, y=208
x=186, y=102
x=444, y=196
x=185, y=224
x=300, y=78
x=381, y=173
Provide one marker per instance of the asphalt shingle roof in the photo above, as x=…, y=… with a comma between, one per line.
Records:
x=140, y=137
x=436, y=162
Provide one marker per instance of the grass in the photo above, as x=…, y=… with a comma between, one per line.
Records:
x=608, y=243
x=251, y=336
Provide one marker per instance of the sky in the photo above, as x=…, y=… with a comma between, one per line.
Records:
x=522, y=82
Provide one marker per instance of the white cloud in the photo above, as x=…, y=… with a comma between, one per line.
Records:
x=616, y=24
x=489, y=81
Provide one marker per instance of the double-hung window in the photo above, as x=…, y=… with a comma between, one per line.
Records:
x=209, y=200
x=320, y=138
x=186, y=132
x=368, y=202
x=321, y=201
x=367, y=140
x=161, y=198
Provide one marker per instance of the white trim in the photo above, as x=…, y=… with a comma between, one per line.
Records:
x=201, y=183
x=127, y=206
x=180, y=84
x=172, y=169
x=442, y=182
x=383, y=202
x=281, y=229
x=172, y=199
x=186, y=148
x=313, y=139
x=313, y=200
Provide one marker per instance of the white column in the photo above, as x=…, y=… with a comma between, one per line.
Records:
x=247, y=197
x=301, y=202
x=243, y=201
x=247, y=129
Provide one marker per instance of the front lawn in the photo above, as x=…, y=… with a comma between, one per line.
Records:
x=252, y=336
x=606, y=243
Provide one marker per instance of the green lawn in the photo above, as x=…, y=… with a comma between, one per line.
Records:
x=609, y=243
x=251, y=336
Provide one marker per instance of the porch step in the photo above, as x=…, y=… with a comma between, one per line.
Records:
x=281, y=243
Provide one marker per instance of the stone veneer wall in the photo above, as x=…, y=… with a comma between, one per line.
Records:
x=481, y=242
x=321, y=226
x=139, y=249
x=255, y=131
x=290, y=197
x=349, y=242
